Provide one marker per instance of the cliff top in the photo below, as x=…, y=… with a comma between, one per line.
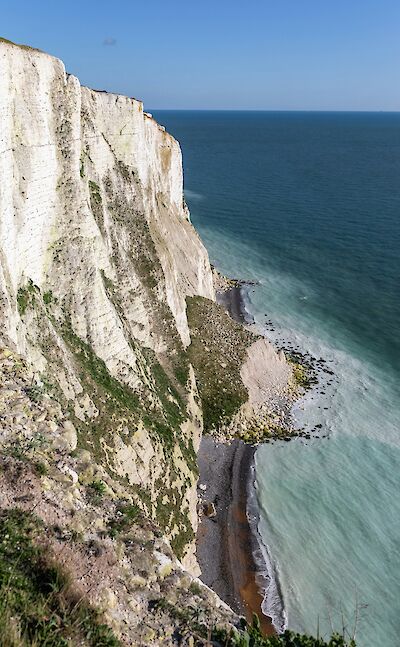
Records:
x=28, y=48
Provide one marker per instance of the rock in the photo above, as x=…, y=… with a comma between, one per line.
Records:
x=209, y=509
x=49, y=428
x=70, y=435
x=108, y=599
x=165, y=565
x=84, y=408
x=65, y=469
x=137, y=581
x=67, y=440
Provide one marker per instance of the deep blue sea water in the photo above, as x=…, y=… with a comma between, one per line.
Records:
x=309, y=205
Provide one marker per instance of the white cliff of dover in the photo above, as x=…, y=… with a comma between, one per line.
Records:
x=95, y=239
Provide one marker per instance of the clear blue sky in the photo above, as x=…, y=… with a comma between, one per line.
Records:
x=223, y=54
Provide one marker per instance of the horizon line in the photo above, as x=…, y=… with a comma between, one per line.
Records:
x=326, y=110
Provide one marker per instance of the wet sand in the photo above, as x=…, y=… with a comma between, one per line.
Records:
x=243, y=543
x=225, y=542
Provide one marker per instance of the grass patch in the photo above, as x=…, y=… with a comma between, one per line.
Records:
x=119, y=407
x=40, y=468
x=96, y=491
x=34, y=392
x=126, y=515
x=38, y=605
x=96, y=368
x=304, y=373
x=117, y=401
x=217, y=352
x=166, y=388
x=96, y=201
x=189, y=621
x=23, y=449
x=26, y=297
x=48, y=297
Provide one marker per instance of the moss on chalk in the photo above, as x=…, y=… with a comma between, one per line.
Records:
x=217, y=352
x=26, y=297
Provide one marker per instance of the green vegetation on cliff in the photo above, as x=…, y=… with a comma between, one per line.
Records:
x=217, y=352
x=26, y=297
x=251, y=636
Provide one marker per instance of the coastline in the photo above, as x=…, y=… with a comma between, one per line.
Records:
x=227, y=542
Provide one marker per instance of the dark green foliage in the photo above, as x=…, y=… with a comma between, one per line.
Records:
x=251, y=636
x=96, y=201
x=126, y=515
x=26, y=297
x=304, y=372
x=195, y=588
x=189, y=455
x=119, y=400
x=116, y=402
x=190, y=622
x=48, y=297
x=96, y=490
x=34, y=393
x=40, y=468
x=98, y=486
x=166, y=387
x=22, y=301
x=37, y=602
x=97, y=370
x=23, y=448
x=186, y=536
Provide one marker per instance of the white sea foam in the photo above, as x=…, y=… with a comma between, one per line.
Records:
x=267, y=578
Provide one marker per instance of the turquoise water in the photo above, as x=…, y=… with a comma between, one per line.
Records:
x=309, y=205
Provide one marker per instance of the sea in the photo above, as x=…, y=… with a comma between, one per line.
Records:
x=307, y=204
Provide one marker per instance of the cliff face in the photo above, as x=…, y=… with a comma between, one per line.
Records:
x=97, y=257
x=83, y=171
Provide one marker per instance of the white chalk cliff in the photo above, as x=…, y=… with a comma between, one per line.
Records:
x=97, y=257
x=98, y=262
